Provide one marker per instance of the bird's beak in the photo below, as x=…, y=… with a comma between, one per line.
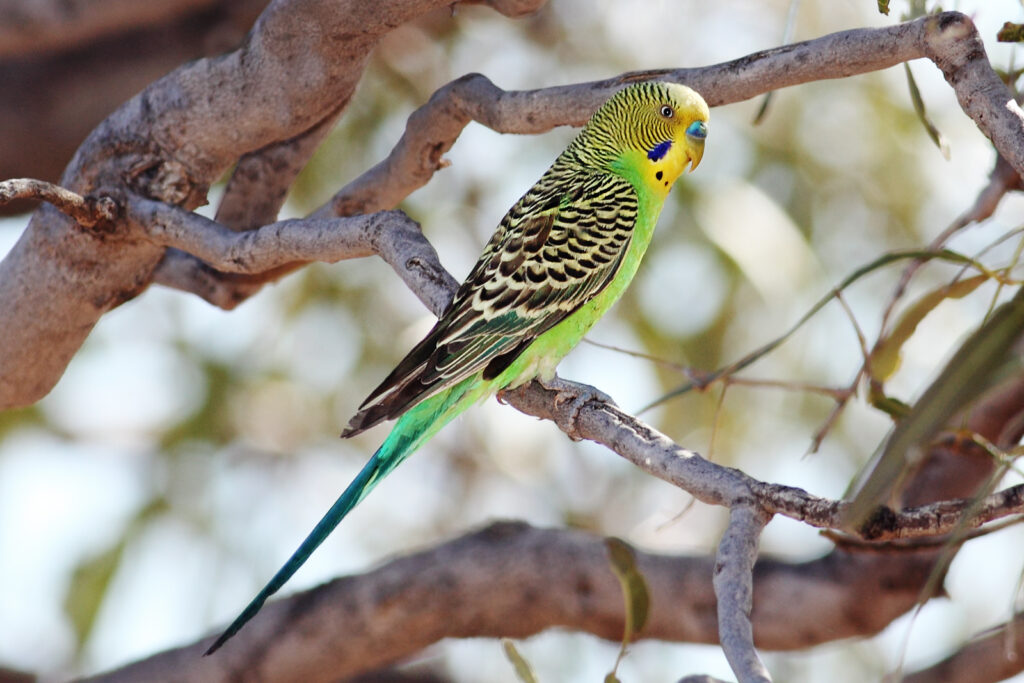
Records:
x=695, y=150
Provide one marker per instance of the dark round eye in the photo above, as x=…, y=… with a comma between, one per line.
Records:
x=667, y=111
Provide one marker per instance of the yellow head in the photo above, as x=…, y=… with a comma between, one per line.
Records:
x=650, y=132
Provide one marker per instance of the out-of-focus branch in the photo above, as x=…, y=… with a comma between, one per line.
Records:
x=34, y=26
x=111, y=51
x=514, y=580
x=12, y=676
x=993, y=656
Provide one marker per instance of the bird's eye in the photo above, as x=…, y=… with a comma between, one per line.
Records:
x=667, y=111
x=698, y=130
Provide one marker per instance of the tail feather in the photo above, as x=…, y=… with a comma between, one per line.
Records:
x=371, y=473
x=414, y=428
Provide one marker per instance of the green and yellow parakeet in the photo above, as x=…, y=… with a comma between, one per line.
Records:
x=560, y=258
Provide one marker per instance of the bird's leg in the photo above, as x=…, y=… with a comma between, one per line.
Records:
x=576, y=395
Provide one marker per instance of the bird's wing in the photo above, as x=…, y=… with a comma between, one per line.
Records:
x=554, y=251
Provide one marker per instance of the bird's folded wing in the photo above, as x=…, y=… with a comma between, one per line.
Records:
x=554, y=251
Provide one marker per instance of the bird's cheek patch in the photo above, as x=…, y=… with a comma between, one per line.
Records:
x=659, y=151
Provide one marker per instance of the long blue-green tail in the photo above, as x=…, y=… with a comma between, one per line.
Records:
x=414, y=428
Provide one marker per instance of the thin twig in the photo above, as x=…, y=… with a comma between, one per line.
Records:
x=87, y=211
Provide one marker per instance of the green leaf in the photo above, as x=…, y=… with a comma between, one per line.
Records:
x=634, y=590
x=915, y=96
x=17, y=418
x=967, y=374
x=1011, y=33
x=886, y=356
x=883, y=7
x=893, y=407
x=209, y=422
x=523, y=671
x=88, y=587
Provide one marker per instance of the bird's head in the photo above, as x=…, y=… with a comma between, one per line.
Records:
x=654, y=130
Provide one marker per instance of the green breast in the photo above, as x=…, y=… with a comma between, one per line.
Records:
x=544, y=354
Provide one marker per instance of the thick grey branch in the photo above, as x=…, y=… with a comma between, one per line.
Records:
x=186, y=273
x=953, y=43
x=259, y=184
x=302, y=62
x=390, y=234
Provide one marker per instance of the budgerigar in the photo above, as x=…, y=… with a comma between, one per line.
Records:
x=559, y=259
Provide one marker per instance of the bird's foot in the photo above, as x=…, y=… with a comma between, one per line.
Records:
x=576, y=395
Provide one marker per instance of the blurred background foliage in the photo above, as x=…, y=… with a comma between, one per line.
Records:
x=188, y=450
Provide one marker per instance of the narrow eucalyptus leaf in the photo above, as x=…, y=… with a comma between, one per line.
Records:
x=965, y=377
x=522, y=668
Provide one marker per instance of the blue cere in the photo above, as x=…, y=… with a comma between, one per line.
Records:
x=660, y=149
x=698, y=130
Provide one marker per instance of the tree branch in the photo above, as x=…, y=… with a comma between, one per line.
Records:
x=170, y=143
x=186, y=273
x=733, y=581
x=514, y=580
x=86, y=211
x=35, y=26
x=392, y=235
x=162, y=150
x=994, y=656
x=259, y=184
x=948, y=39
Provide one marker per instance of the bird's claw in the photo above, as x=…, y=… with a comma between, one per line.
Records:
x=576, y=395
